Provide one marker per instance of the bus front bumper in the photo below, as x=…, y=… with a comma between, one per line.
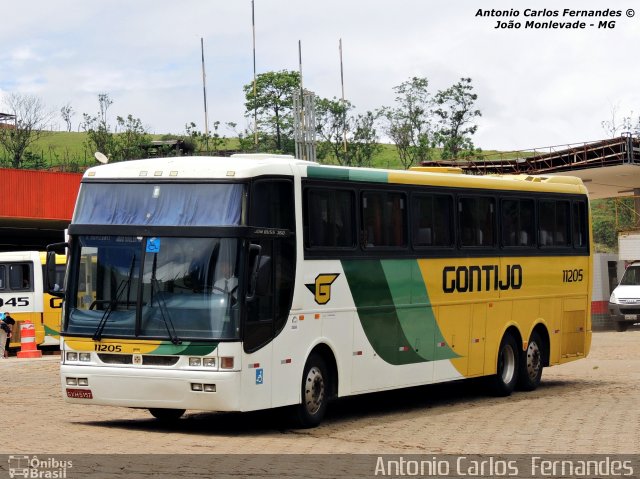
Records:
x=151, y=388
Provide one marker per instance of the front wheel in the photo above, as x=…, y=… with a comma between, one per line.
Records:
x=167, y=415
x=315, y=390
x=531, y=364
x=621, y=326
x=504, y=381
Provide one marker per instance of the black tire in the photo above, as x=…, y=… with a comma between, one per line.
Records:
x=504, y=381
x=315, y=393
x=531, y=363
x=621, y=326
x=167, y=415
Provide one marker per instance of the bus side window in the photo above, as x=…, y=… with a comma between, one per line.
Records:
x=328, y=218
x=477, y=221
x=2, y=274
x=20, y=277
x=579, y=224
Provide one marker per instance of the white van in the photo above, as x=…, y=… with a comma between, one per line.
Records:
x=624, y=303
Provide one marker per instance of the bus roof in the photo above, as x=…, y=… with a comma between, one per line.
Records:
x=252, y=165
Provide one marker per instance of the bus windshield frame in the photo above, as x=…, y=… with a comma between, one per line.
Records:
x=155, y=287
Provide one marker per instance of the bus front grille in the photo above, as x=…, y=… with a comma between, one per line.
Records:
x=150, y=360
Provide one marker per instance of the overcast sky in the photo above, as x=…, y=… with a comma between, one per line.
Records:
x=536, y=87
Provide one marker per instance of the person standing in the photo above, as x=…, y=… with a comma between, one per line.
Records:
x=6, y=327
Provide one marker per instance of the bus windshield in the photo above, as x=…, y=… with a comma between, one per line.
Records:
x=163, y=287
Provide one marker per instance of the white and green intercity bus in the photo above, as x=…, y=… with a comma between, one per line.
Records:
x=262, y=281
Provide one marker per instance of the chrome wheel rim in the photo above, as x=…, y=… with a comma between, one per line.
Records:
x=313, y=390
x=533, y=360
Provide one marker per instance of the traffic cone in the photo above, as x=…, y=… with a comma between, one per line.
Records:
x=28, y=347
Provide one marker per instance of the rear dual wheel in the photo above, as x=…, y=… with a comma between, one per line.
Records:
x=504, y=381
x=531, y=364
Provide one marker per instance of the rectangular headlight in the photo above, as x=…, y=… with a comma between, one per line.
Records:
x=84, y=357
x=209, y=362
x=72, y=356
x=209, y=388
x=196, y=387
x=72, y=381
x=83, y=381
x=195, y=362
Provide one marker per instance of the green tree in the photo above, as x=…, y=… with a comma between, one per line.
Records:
x=273, y=103
x=364, y=143
x=31, y=118
x=66, y=112
x=128, y=143
x=409, y=123
x=131, y=139
x=456, y=113
x=99, y=135
x=332, y=125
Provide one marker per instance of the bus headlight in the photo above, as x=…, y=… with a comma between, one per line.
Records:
x=72, y=356
x=195, y=362
x=84, y=357
x=209, y=362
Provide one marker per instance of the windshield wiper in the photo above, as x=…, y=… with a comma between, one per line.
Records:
x=125, y=285
x=164, y=311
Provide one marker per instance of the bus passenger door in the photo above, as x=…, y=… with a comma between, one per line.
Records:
x=258, y=332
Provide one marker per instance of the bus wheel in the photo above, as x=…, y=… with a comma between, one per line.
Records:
x=531, y=364
x=167, y=414
x=315, y=382
x=506, y=377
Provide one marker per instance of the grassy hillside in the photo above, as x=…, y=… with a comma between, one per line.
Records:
x=68, y=149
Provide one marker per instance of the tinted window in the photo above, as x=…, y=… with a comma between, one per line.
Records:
x=580, y=237
x=329, y=221
x=554, y=221
x=383, y=219
x=477, y=221
x=272, y=204
x=20, y=276
x=432, y=220
x=518, y=222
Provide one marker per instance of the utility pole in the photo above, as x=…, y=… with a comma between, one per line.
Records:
x=204, y=91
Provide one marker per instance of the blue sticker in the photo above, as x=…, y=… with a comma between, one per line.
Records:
x=153, y=245
x=259, y=376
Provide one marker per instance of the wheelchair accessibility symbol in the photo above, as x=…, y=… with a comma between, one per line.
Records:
x=153, y=245
x=259, y=376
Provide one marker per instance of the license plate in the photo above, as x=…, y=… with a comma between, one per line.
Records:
x=631, y=317
x=79, y=393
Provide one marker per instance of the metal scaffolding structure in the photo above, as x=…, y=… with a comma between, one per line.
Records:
x=304, y=114
x=554, y=159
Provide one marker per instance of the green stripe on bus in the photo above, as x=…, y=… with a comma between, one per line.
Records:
x=415, y=314
x=377, y=312
x=327, y=173
x=347, y=174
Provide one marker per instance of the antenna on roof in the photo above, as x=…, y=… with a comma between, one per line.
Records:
x=101, y=157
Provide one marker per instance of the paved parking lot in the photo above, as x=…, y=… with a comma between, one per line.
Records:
x=589, y=406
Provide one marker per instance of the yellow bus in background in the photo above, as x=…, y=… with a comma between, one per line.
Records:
x=23, y=296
